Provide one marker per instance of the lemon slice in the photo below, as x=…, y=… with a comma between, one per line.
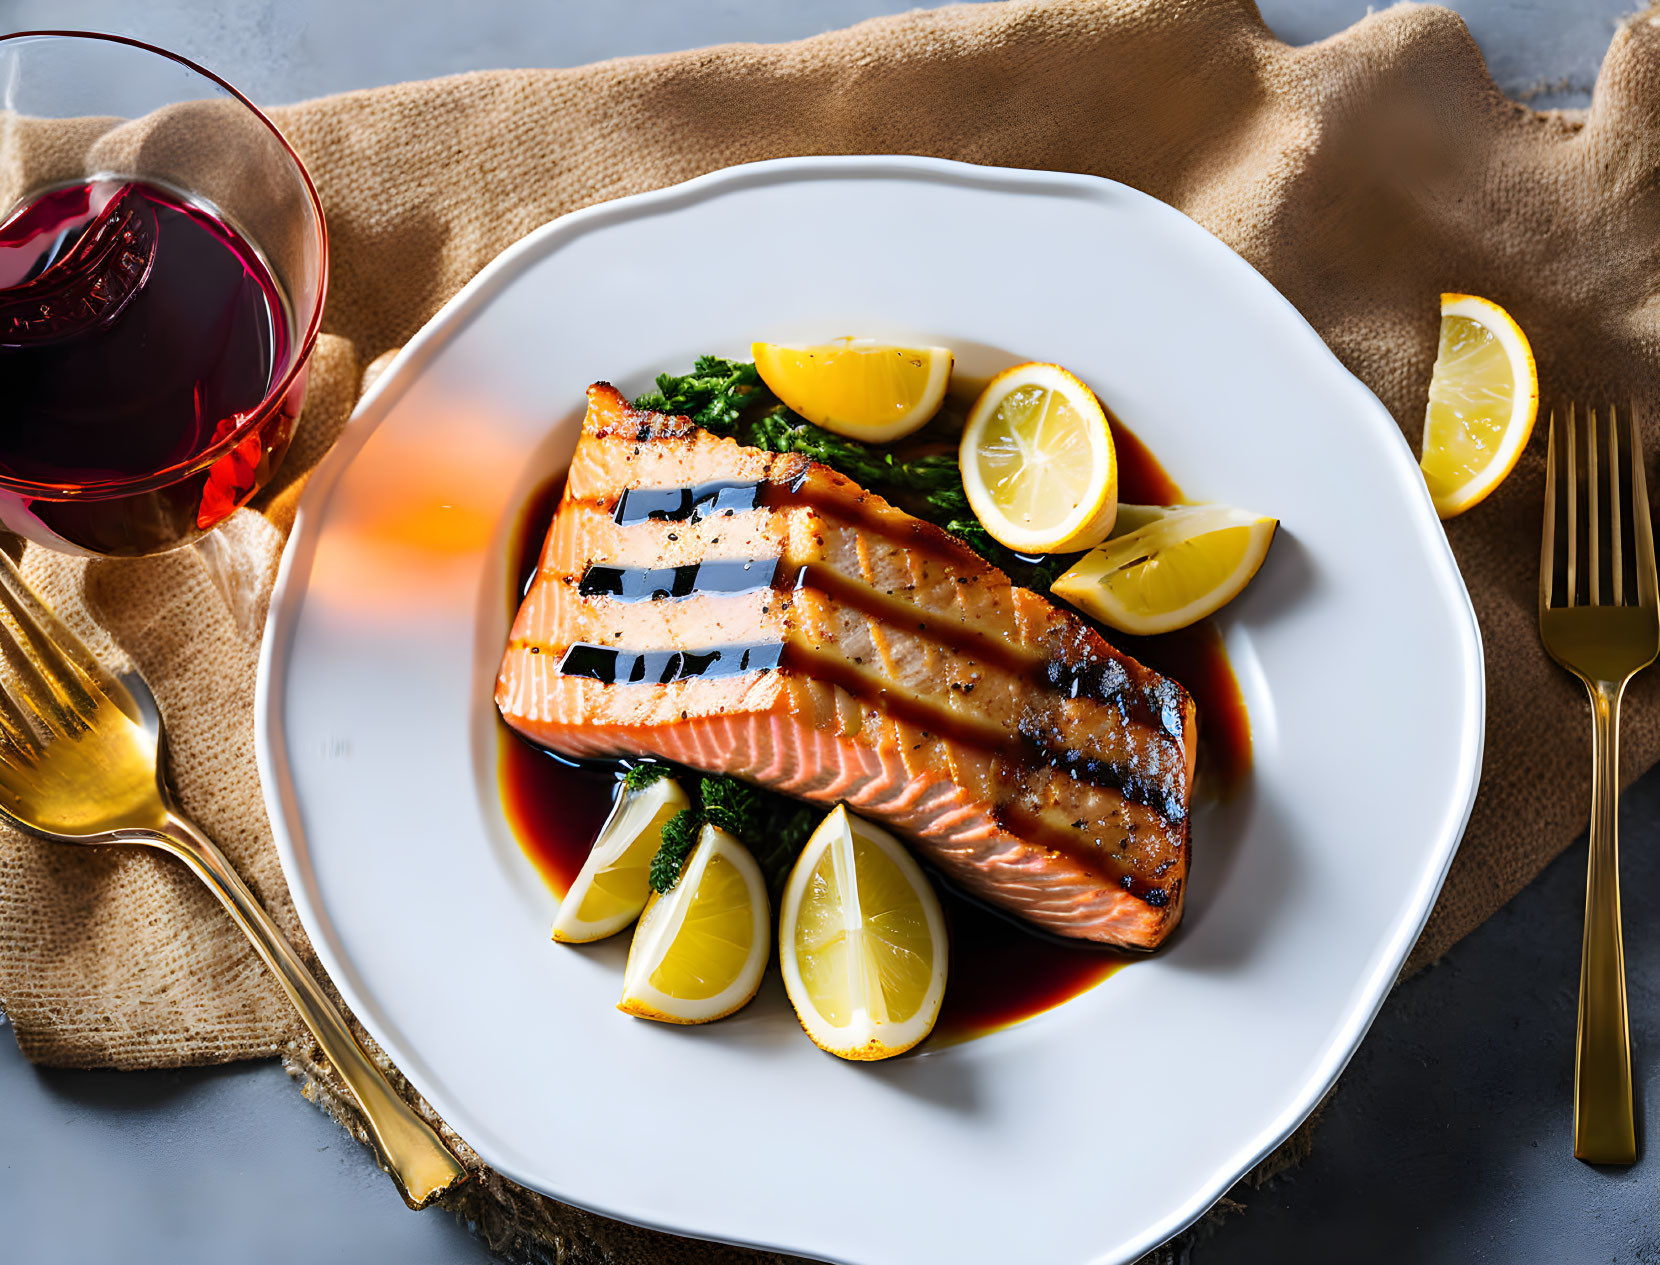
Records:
x=855, y=387
x=1038, y=462
x=699, y=951
x=1483, y=396
x=1183, y=563
x=862, y=943
x=612, y=887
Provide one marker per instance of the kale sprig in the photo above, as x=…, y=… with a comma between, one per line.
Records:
x=714, y=394
x=780, y=430
x=773, y=827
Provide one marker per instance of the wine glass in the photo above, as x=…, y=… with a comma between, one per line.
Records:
x=163, y=264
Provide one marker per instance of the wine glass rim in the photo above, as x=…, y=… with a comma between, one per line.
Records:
x=255, y=417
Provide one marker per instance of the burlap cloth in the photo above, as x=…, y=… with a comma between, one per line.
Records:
x=1362, y=175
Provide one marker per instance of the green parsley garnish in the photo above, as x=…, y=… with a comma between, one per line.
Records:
x=773, y=827
x=643, y=774
x=679, y=837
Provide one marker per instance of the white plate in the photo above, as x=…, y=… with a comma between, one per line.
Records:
x=1090, y=1133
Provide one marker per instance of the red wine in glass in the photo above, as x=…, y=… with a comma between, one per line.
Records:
x=138, y=330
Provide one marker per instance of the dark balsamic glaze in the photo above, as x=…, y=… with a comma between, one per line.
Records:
x=664, y=667
x=685, y=505
x=1141, y=479
x=1003, y=971
x=555, y=807
x=654, y=584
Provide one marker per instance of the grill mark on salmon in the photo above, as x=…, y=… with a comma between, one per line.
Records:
x=1023, y=755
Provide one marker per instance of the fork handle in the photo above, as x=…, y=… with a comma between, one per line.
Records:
x=410, y=1151
x=1603, y=1129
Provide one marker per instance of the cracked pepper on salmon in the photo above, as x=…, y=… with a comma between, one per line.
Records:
x=760, y=615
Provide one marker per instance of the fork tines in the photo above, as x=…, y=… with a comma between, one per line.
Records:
x=1598, y=547
x=51, y=686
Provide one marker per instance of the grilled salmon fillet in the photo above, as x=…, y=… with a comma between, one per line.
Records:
x=760, y=615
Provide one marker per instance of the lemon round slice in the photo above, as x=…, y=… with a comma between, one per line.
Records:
x=1181, y=564
x=862, y=942
x=1483, y=397
x=612, y=887
x=699, y=951
x=1038, y=462
x=855, y=387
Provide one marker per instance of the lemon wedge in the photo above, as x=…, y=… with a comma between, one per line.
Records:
x=699, y=950
x=1038, y=462
x=612, y=887
x=1483, y=396
x=858, y=388
x=862, y=942
x=1180, y=564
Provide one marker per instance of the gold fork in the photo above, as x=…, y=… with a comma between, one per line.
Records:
x=1599, y=617
x=82, y=760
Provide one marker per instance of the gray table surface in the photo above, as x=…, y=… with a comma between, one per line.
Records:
x=1449, y=1138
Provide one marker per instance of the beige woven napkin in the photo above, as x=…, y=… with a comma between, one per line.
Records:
x=1362, y=175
